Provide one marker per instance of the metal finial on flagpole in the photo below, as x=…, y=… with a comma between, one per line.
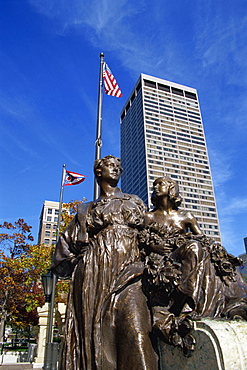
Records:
x=98, y=142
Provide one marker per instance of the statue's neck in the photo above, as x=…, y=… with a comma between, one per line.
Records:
x=107, y=190
x=164, y=205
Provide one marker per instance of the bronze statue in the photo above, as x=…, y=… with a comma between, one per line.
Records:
x=108, y=321
x=186, y=272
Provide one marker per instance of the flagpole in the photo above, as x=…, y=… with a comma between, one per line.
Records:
x=61, y=200
x=50, y=362
x=98, y=142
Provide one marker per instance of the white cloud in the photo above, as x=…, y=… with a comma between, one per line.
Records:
x=231, y=239
x=236, y=206
x=220, y=34
x=221, y=167
x=127, y=28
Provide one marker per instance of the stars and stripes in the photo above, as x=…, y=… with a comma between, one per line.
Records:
x=73, y=178
x=110, y=83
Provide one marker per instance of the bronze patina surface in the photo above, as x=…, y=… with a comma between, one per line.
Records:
x=108, y=322
x=187, y=275
x=138, y=275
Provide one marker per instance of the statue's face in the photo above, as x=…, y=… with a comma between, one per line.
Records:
x=110, y=170
x=161, y=187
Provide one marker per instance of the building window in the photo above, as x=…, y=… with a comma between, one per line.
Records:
x=164, y=87
x=177, y=91
x=54, y=242
x=150, y=84
x=47, y=241
x=48, y=226
x=49, y=211
x=47, y=233
x=48, y=218
x=190, y=95
x=55, y=219
x=54, y=227
x=56, y=211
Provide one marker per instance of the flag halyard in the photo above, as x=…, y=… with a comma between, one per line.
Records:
x=110, y=83
x=73, y=178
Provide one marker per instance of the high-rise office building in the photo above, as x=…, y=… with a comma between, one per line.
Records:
x=48, y=223
x=162, y=135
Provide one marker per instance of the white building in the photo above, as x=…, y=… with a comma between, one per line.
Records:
x=48, y=223
x=162, y=135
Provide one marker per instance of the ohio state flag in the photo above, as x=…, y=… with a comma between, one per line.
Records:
x=73, y=178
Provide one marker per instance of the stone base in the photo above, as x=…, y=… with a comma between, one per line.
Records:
x=220, y=345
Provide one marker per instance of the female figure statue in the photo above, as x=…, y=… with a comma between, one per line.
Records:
x=186, y=272
x=108, y=321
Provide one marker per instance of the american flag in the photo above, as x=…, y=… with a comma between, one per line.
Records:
x=73, y=178
x=110, y=83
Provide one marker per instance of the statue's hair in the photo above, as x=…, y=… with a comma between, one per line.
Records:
x=173, y=191
x=99, y=162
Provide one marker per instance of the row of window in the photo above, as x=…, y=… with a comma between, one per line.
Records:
x=48, y=233
x=156, y=107
x=50, y=211
x=167, y=99
x=157, y=100
x=170, y=89
x=163, y=114
x=164, y=124
x=49, y=226
x=49, y=219
x=47, y=241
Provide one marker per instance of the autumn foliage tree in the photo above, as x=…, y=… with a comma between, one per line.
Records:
x=68, y=212
x=16, y=237
x=21, y=265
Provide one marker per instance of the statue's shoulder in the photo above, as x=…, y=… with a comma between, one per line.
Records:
x=133, y=197
x=184, y=214
x=82, y=208
x=149, y=218
x=137, y=200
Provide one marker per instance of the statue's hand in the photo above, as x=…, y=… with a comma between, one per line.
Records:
x=161, y=248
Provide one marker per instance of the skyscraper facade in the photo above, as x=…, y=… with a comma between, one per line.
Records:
x=162, y=135
x=48, y=223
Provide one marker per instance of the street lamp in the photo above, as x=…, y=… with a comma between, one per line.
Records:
x=49, y=281
x=47, y=285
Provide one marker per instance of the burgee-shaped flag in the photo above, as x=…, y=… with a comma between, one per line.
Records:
x=73, y=178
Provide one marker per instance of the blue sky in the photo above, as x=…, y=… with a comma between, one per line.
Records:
x=49, y=68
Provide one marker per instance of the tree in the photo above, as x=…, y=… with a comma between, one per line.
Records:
x=16, y=239
x=21, y=265
x=68, y=211
x=21, y=291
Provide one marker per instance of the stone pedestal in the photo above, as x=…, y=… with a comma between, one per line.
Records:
x=220, y=345
x=60, y=317
x=43, y=313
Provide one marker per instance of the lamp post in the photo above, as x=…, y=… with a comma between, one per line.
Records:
x=49, y=281
x=47, y=286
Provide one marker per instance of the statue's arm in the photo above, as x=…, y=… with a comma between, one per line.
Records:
x=65, y=257
x=193, y=224
x=71, y=245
